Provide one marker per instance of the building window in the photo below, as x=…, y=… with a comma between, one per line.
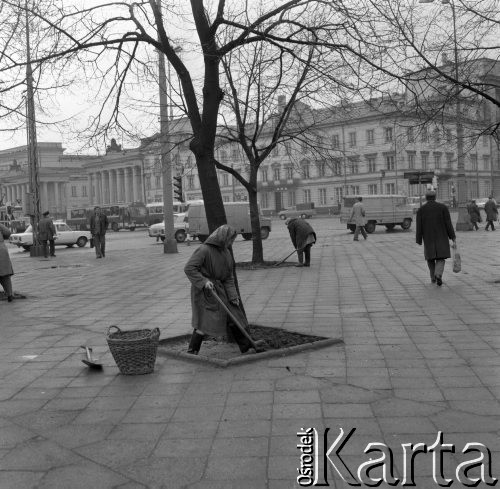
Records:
x=73, y=191
x=425, y=161
x=337, y=166
x=225, y=179
x=305, y=171
x=157, y=182
x=486, y=163
x=372, y=164
x=289, y=172
x=322, y=196
x=275, y=151
x=449, y=161
x=335, y=141
x=321, y=170
x=370, y=136
x=235, y=154
x=84, y=191
x=190, y=182
x=390, y=188
x=307, y=195
x=354, y=166
x=288, y=147
x=388, y=133
x=424, y=135
x=437, y=161
x=264, y=200
x=354, y=189
x=373, y=189
x=225, y=198
x=485, y=140
x=473, y=162
x=411, y=161
x=147, y=181
x=339, y=193
x=276, y=173
x=449, y=136
x=352, y=139
x=409, y=135
x=291, y=198
x=264, y=175
x=390, y=162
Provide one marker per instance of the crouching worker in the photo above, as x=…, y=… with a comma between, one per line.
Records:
x=210, y=268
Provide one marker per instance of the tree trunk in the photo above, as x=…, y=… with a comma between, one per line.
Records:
x=257, y=251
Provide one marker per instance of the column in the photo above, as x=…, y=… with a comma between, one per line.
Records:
x=89, y=188
x=57, y=197
x=140, y=184
x=135, y=193
x=9, y=193
x=127, y=196
x=98, y=188
x=112, y=186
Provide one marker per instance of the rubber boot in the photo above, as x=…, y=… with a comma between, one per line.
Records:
x=195, y=343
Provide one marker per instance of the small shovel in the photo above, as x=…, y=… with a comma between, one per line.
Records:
x=90, y=361
x=258, y=348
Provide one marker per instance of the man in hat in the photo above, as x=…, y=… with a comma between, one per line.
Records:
x=434, y=227
x=46, y=232
x=98, y=227
x=491, y=213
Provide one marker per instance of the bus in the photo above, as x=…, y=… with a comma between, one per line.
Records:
x=120, y=216
x=155, y=211
x=12, y=216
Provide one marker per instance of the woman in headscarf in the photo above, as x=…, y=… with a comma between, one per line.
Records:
x=210, y=268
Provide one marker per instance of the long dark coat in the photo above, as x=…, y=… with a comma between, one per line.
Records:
x=434, y=227
x=212, y=262
x=103, y=225
x=474, y=213
x=46, y=229
x=301, y=233
x=5, y=264
x=491, y=210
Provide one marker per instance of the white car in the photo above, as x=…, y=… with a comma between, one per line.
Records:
x=180, y=227
x=64, y=236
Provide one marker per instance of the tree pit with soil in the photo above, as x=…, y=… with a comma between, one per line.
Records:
x=248, y=265
x=217, y=351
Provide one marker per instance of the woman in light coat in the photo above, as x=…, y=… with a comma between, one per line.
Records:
x=6, y=270
x=210, y=268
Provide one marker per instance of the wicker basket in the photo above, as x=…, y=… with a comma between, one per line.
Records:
x=134, y=351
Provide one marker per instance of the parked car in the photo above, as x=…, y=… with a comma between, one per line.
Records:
x=181, y=228
x=380, y=210
x=305, y=210
x=65, y=236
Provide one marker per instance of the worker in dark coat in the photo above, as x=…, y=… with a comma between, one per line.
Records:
x=47, y=233
x=490, y=207
x=434, y=227
x=210, y=268
x=303, y=237
x=474, y=213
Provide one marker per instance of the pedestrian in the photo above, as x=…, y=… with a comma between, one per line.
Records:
x=358, y=216
x=474, y=213
x=98, y=227
x=303, y=237
x=491, y=213
x=6, y=270
x=210, y=268
x=46, y=233
x=435, y=229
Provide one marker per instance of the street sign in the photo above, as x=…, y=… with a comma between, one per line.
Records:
x=415, y=177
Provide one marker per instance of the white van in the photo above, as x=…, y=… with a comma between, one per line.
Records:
x=380, y=210
x=237, y=215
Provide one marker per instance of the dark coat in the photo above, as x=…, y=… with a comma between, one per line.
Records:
x=301, y=233
x=212, y=262
x=434, y=227
x=5, y=264
x=474, y=213
x=46, y=229
x=103, y=225
x=491, y=210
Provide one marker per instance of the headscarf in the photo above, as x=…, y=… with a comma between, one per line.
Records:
x=222, y=236
x=289, y=220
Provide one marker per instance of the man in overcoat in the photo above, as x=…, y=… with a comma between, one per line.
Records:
x=491, y=213
x=98, y=227
x=434, y=227
x=358, y=216
x=303, y=237
x=46, y=233
x=474, y=213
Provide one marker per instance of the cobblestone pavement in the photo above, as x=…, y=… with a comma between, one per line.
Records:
x=416, y=360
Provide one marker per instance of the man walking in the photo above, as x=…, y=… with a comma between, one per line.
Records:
x=358, y=216
x=491, y=213
x=435, y=229
x=303, y=237
x=46, y=232
x=98, y=227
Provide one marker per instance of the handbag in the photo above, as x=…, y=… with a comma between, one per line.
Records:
x=91, y=242
x=457, y=261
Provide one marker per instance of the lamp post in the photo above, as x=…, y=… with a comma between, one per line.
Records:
x=463, y=220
